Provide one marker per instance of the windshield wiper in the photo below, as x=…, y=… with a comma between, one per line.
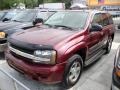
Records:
x=49, y=25
x=16, y=21
x=64, y=26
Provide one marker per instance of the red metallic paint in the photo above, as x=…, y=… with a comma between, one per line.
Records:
x=65, y=42
x=46, y=74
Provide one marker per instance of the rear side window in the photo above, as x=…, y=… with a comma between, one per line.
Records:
x=102, y=19
x=110, y=19
x=107, y=19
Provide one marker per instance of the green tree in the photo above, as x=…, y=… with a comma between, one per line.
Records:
x=52, y=1
x=67, y=3
x=7, y=4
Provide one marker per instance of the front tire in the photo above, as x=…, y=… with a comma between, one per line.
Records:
x=73, y=71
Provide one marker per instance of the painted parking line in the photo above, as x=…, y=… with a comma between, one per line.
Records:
x=2, y=61
x=115, y=45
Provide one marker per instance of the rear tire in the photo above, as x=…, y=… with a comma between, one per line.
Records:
x=73, y=71
x=108, y=45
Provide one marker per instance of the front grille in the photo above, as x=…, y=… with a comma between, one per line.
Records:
x=3, y=41
x=20, y=52
x=22, y=49
x=24, y=54
x=21, y=58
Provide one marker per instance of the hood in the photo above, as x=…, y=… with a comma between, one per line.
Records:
x=7, y=26
x=42, y=36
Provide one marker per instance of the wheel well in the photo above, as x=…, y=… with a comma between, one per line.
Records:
x=82, y=53
x=112, y=36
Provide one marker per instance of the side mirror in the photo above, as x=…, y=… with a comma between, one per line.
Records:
x=96, y=27
x=38, y=21
x=119, y=26
x=5, y=19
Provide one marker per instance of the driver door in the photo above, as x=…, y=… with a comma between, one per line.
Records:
x=94, y=38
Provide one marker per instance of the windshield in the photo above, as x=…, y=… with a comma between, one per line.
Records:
x=10, y=14
x=44, y=15
x=73, y=19
x=25, y=16
x=2, y=14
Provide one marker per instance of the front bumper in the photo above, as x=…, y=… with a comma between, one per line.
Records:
x=44, y=73
x=3, y=47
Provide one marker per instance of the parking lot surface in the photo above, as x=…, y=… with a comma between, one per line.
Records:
x=97, y=76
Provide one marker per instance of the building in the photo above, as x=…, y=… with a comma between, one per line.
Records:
x=112, y=6
x=79, y=1
x=60, y=6
x=93, y=3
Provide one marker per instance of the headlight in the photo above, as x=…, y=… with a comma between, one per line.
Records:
x=45, y=56
x=117, y=62
x=117, y=58
x=2, y=35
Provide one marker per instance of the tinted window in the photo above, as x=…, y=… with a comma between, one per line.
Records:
x=102, y=19
x=110, y=19
x=105, y=20
x=97, y=19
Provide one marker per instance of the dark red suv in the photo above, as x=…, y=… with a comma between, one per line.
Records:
x=58, y=50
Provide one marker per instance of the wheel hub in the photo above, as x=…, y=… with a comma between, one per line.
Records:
x=74, y=72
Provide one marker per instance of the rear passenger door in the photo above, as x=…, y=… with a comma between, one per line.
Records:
x=106, y=28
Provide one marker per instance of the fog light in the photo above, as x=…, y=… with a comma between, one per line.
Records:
x=2, y=35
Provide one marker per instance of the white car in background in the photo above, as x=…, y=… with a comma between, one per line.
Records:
x=54, y=6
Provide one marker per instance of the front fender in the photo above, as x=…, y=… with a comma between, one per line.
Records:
x=71, y=51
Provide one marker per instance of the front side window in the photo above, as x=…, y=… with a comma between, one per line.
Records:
x=97, y=19
x=73, y=19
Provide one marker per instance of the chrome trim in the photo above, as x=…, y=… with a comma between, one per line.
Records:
x=29, y=56
x=95, y=57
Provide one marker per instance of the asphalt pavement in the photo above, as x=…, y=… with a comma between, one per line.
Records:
x=97, y=76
